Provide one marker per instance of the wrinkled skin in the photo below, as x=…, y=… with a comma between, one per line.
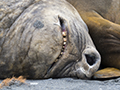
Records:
x=103, y=20
x=32, y=40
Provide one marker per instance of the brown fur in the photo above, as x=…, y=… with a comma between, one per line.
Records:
x=102, y=19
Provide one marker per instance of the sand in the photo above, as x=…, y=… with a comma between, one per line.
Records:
x=66, y=84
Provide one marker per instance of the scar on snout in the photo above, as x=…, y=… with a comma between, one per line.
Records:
x=38, y=24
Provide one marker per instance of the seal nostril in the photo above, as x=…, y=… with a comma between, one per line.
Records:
x=91, y=60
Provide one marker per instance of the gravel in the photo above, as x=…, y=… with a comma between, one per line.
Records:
x=66, y=84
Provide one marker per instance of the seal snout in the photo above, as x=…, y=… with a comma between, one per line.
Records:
x=91, y=61
x=92, y=56
x=89, y=64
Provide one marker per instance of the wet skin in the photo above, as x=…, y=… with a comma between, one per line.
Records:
x=42, y=40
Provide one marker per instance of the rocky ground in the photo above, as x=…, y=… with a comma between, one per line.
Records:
x=66, y=84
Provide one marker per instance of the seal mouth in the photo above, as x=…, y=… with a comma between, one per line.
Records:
x=64, y=32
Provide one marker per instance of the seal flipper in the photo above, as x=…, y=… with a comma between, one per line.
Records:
x=107, y=73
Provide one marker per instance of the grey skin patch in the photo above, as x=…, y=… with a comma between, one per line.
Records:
x=38, y=24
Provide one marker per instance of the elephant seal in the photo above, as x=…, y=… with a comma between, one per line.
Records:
x=102, y=19
x=39, y=39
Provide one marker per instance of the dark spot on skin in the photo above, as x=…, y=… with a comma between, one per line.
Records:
x=38, y=24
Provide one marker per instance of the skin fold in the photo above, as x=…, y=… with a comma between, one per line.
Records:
x=102, y=19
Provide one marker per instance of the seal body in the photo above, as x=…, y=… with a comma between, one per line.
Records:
x=39, y=39
x=102, y=19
